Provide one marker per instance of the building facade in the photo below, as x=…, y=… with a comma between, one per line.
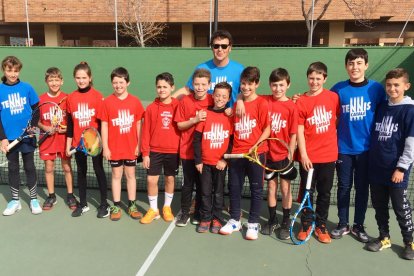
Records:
x=252, y=23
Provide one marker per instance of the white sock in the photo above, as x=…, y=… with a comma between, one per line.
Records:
x=153, y=201
x=168, y=199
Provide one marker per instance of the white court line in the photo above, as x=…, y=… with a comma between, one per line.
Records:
x=157, y=248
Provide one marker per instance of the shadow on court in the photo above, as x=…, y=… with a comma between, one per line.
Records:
x=54, y=243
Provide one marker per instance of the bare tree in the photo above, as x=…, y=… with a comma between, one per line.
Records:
x=362, y=11
x=136, y=20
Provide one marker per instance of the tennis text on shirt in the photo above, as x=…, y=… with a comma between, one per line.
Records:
x=386, y=128
x=357, y=108
x=15, y=103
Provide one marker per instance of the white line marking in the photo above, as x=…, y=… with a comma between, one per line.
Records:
x=156, y=250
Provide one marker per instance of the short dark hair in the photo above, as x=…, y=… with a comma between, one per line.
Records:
x=250, y=74
x=120, y=72
x=279, y=74
x=202, y=73
x=356, y=53
x=221, y=34
x=398, y=73
x=223, y=85
x=53, y=72
x=165, y=77
x=318, y=67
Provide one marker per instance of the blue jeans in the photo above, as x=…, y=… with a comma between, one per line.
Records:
x=352, y=169
x=238, y=169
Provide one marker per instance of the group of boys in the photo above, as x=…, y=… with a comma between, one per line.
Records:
x=351, y=128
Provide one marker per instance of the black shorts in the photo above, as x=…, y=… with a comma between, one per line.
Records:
x=290, y=173
x=163, y=161
x=123, y=162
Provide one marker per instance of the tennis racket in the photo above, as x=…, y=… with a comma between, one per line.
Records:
x=54, y=115
x=32, y=129
x=305, y=209
x=90, y=142
x=253, y=156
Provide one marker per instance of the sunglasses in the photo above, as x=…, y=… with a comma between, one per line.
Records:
x=223, y=46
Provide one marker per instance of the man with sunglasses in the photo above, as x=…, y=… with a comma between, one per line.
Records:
x=222, y=69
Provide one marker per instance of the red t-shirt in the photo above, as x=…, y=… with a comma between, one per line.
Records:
x=85, y=109
x=122, y=117
x=159, y=131
x=318, y=115
x=249, y=128
x=283, y=117
x=56, y=142
x=187, y=109
x=216, y=131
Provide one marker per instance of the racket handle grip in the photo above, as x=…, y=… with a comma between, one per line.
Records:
x=233, y=155
x=309, y=179
x=72, y=151
x=12, y=144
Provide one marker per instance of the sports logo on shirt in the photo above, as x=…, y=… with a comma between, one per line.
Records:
x=15, y=103
x=84, y=114
x=166, y=118
x=124, y=121
x=216, y=135
x=53, y=113
x=245, y=127
x=321, y=119
x=386, y=128
x=277, y=123
x=218, y=80
x=356, y=108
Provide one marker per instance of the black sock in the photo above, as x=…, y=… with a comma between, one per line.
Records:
x=70, y=195
x=117, y=203
x=131, y=202
x=272, y=214
x=286, y=214
x=52, y=195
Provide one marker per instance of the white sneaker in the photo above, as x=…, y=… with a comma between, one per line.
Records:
x=231, y=226
x=35, y=207
x=12, y=207
x=252, y=231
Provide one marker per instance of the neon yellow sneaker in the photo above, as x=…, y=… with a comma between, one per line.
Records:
x=167, y=214
x=150, y=216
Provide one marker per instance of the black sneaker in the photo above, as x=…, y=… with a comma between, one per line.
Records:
x=103, y=211
x=182, y=219
x=408, y=252
x=80, y=210
x=339, y=231
x=269, y=228
x=359, y=233
x=196, y=219
x=284, y=233
x=378, y=244
x=49, y=203
x=71, y=202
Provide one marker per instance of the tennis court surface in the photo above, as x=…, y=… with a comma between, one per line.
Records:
x=54, y=243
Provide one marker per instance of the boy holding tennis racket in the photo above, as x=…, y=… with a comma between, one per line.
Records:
x=249, y=131
x=359, y=98
x=191, y=111
x=84, y=107
x=317, y=141
x=54, y=146
x=160, y=142
x=391, y=156
x=213, y=138
x=17, y=101
x=121, y=127
x=284, y=124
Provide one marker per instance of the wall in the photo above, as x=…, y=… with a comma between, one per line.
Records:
x=145, y=64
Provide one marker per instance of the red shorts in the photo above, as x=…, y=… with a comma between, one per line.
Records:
x=53, y=156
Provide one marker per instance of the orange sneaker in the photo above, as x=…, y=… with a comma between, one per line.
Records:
x=304, y=233
x=322, y=234
x=133, y=212
x=150, y=216
x=167, y=213
x=115, y=213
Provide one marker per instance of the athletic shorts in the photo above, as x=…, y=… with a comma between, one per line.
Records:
x=290, y=173
x=163, y=161
x=123, y=162
x=53, y=156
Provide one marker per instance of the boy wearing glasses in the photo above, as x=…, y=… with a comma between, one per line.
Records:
x=221, y=67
